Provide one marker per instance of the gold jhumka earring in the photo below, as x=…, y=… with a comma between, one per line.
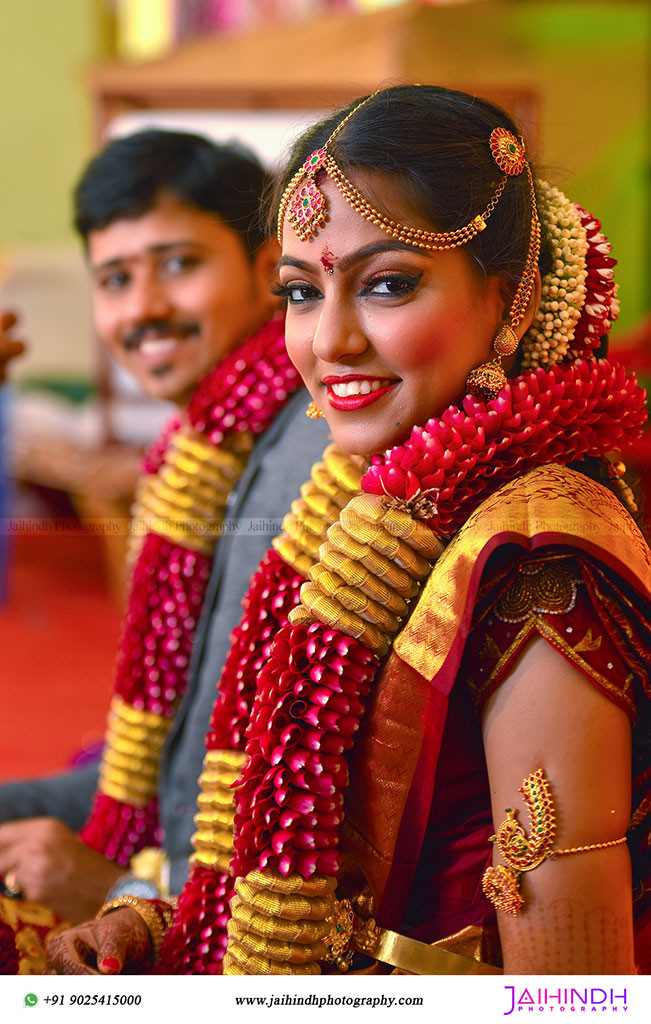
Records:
x=313, y=412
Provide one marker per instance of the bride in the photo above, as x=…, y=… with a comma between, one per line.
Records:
x=436, y=706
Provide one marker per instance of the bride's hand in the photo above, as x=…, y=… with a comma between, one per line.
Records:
x=117, y=943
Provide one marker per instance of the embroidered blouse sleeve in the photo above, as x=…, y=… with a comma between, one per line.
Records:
x=586, y=612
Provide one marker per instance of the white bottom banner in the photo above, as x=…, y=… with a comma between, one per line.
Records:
x=404, y=1000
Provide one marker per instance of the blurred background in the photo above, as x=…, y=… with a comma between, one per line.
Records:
x=575, y=74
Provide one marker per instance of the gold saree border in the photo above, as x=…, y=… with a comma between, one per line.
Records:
x=549, y=505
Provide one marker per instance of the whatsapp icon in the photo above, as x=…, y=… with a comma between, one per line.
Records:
x=31, y=999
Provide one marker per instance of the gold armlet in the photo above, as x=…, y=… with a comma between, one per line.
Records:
x=524, y=852
x=157, y=915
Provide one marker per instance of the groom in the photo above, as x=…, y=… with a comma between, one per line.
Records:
x=180, y=269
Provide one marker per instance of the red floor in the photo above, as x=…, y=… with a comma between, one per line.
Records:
x=59, y=632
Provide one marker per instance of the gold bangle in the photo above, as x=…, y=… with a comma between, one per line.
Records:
x=149, y=915
x=167, y=908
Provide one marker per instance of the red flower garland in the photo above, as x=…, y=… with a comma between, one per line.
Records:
x=169, y=583
x=600, y=306
x=273, y=592
x=197, y=940
x=308, y=708
x=156, y=451
x=245, y=392
x=558, y=415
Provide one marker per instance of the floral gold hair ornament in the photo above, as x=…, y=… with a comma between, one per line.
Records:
x=302, y=201
x=524, y=852
x=307, y=206
x=508, y=152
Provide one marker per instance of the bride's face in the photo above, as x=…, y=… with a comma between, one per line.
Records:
x=383, y=334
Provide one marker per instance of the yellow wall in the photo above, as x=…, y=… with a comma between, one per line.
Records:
x=45, y=113
x=590, y=61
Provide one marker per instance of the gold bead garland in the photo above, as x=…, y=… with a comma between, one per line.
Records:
x=354, y=599
x=354, y=574
x=278, y=924
x=129, y=767
x=304, y=531
x=366, y=556
x=267, y=926
x=186, y=499
x=183, y=501
x=333, y=481
x=213, y=840
x=366, y=530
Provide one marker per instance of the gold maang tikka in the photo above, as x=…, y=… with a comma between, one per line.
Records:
x=305, y=207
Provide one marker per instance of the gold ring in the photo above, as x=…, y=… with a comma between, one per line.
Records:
x=11, y=886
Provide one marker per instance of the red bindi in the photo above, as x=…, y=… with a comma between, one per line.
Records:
x=328, y=260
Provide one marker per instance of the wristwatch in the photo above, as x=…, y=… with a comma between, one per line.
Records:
x=129, y=885
x=148, y=876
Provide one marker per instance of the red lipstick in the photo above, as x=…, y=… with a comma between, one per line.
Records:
x=350, y=403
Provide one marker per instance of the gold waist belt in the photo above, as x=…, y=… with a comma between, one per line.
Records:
x=349, y=932
x=420, y=958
